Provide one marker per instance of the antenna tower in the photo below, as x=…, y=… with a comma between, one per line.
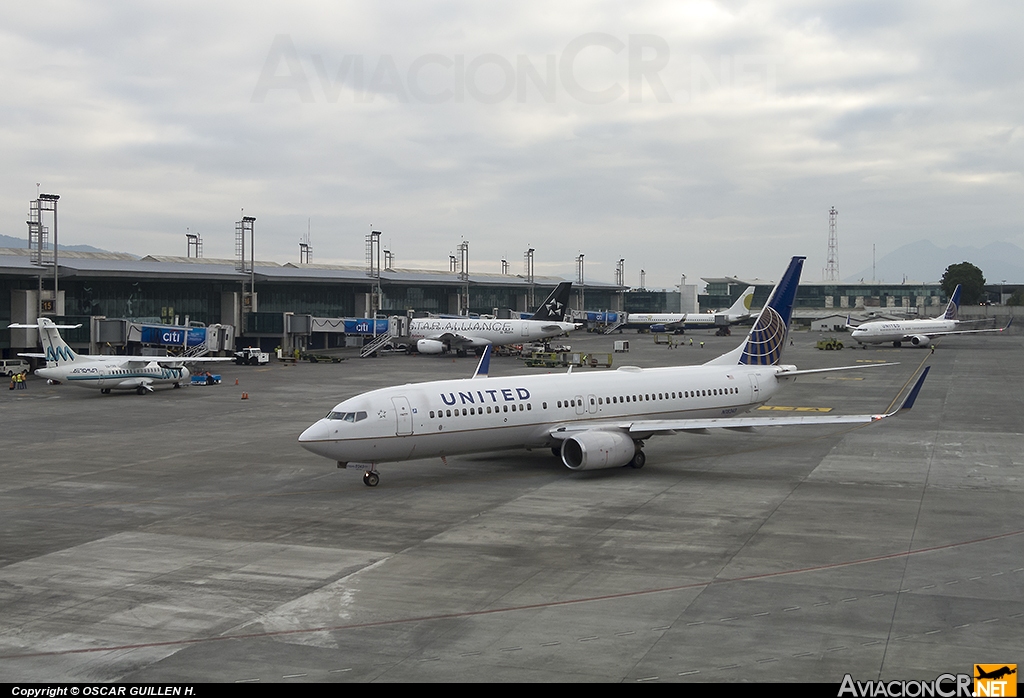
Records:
x=832, y=266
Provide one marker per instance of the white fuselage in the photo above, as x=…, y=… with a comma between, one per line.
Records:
x=441, y=418
x=113, y=374
x=881, y=331
x=479, y=333
x=684, y=321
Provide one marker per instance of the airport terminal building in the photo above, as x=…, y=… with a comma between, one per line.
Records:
x=268, y=304
x=258, y=303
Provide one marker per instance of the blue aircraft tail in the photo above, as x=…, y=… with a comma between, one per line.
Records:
x=953, y=307
x=764, y=344
x=484, y=367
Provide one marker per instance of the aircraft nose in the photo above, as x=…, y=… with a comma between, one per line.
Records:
x=315, y=432
x=316, y=439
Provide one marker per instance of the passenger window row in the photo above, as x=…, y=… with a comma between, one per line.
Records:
x=472, y=411
x=573, y=403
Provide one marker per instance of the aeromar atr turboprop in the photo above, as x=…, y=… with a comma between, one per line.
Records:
x=138, y=373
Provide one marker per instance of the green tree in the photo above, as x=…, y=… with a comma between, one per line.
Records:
x=1017, y=298
x=969, y=277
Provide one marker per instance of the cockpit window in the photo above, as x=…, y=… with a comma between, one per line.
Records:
x=347, y=416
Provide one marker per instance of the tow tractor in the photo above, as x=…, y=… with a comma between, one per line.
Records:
x=252, y=356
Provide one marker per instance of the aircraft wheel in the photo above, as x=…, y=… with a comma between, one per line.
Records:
x=460, y=353
x=104, y=391
x=639, y=459
x=897, y=344
x=140, y=390
x=177, y=385
x=556, y=451
x=370, y=478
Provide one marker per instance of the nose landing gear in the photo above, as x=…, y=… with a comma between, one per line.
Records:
x=371, y=478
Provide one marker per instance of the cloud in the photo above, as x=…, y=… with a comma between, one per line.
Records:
x=697, y=137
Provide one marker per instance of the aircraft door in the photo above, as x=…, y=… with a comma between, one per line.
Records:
x=403, y=415
x=755, y=388
x=580, y=407
x=592, y=404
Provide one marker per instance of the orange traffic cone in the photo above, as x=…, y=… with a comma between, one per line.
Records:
x=236, y=381
x=245, y=396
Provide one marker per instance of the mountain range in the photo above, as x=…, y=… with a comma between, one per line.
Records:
x=925, y=261
x=16, y=243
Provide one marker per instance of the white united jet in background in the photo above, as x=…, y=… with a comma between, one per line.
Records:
x=438, y=335
x=918, y=332
x=138, y=373
x=590, y=420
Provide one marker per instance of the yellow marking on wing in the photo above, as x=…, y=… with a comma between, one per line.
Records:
x=783, y=408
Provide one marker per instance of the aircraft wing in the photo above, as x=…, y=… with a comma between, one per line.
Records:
x=644, y=428
x=172, y=361
x=190, y=359
x=933, y=335
x=456, y=341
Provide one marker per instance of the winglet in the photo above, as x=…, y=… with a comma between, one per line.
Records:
x=485, y=363
x=912, y=396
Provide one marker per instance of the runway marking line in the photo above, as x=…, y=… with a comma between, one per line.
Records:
x=527, y=607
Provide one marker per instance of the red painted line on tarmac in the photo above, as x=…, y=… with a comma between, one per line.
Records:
x=508, y=609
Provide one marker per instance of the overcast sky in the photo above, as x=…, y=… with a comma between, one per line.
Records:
x=697, y=138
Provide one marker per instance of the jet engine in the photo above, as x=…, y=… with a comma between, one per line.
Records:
x=429, y=346
x=593, y=450
x=919, y=340
x=656, y=329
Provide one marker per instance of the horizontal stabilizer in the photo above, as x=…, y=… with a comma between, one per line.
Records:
x=18, y=326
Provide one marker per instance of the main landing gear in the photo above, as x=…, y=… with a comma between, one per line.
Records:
x=104, y=391
x=639, y=459
x=371, y=478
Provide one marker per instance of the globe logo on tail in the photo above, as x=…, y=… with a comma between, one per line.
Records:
x=766, y=339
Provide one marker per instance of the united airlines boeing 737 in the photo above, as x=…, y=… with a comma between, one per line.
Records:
x=590, y=420
x=917, y=332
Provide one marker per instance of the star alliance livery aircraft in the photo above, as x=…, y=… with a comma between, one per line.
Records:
x=590, y=420
x=138, y=373
x=917, y=332
x=437, y=335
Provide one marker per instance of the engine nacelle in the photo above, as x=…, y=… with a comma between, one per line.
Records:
x=919, y=340
x=429, y=346
x=594, y=450
x=658, y=329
